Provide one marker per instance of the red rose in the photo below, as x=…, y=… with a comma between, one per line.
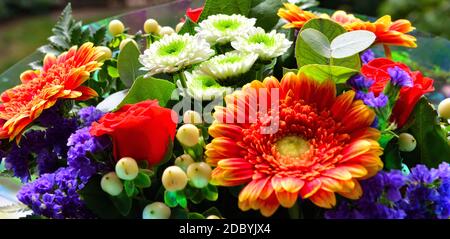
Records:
x=194, y=14
x=141, y=131
x=409, y=96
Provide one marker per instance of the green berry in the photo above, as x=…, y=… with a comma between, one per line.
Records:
x=151, y=26
x=188, y=135
x=127, y=168
x=156, y=210
x=174, y=179
x=406, y=142
x=111, y=184
x=199, y=174
x=184, y=161
x=444, y=109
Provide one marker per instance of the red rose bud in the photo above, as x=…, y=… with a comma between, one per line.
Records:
x=194, y=14
x=141, y=131
x=377, y=69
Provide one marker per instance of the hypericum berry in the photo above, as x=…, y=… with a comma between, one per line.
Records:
x=406, y=142
x=151, y=26
x=188, y=135
x=444, y=109
x=116, y=27
x=192, y=117
x=126, y=41
x=174, y=179
x=213, y=217
x=156, y=210
x=111, y=184
x=107, y=53
x=199, y=174
x=184, y=161
x=127, y=168
x=179, y=26
x=166, y=31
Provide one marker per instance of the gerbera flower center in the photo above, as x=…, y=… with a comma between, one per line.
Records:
x=227, y=24
x=292, y=146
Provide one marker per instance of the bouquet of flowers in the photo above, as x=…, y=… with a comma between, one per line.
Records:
x=246, y=105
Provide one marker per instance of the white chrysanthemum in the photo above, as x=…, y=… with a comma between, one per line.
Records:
x=228, y=65
x=175, y=52
x=223, y=29
x=266, y=45
x=203, y=87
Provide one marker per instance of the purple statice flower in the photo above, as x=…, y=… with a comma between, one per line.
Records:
x=399, y=77
x=81, y=145
x=359, y=82
x=88, y=115
x=17, y=160
x=367, y=56
x=424, y=193
x=54, y=195
x=371, y=100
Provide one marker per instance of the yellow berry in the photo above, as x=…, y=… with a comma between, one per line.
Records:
x=116, y=27
x=213, y=217
x=188, y=135
x=174, y=179
x=156, y=210
x=111, y=184
x=151, y=26
x=184, y=161
x=127, y=168
x=199, y=174
x=107, y=53
x=179, y=26
x=126, y=41
x=406, y=142
x=166, y=31
x=192, y=117
x=444, y=109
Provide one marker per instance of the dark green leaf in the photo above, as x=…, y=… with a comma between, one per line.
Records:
x=286, y=70
x=170, y=198
x=181, y=199
x=64, y=23
x=188, y=27
x=265, y=12
x=149, y=88
x=59, y=41
x=210, y=192
x=48, y=49
x=142, y=180
x=123, y=203
x=392, y=158
x=128, y=64
x=129, y=188
x=98, y=201
x=212, y=211
x=169, y=153
x=227, y=7
x=99, y=36
x=195, y=215
x=338, y=74
x=305, y=55
x=432, y=144
x=179, y=213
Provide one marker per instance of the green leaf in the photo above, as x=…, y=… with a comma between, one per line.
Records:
x=194, y=194
x=123, y=203
x=113, y=72
x=212, y=211
x=210, y=192
x=65, y=21
x=432, y=144
x=149, y=88
x=179, y=213
x=181, y=199
x=188, y=27
x=129, y=188
x=265, y=12
x=169, y=153
x=59, y=41
x=320, y=73
x=97, y=200
x=227, y=7
x=305, y=55
x=286, y=70
x=128, y=64
x=142, y=180
x=351, y=43
x=392, y=158
x=170, y=198
x=99, y=36
x=317, y=41
x=195, y=215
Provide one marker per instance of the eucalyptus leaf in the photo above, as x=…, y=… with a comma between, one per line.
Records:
x=149, y=88
x=128, y=64
x=351, y=43
x=317, y=41
x=338, y=74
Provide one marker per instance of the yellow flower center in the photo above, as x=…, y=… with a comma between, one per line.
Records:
x=292, y=146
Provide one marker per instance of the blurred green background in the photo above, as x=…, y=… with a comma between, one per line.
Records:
x=26, y=24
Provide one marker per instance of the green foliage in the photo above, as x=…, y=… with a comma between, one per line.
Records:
x=128, y=64
x=227, y=7
x=305, y=55
x=265, y=12
x=188, y=27
x=432, y=144
x=337, y=74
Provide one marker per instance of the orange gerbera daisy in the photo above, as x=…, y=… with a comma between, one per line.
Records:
x=60, y=78
x=387, y=32
x=324, y=144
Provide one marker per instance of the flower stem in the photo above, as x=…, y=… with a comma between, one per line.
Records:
x=387, y=52
x=295, y=212
x=182, y=78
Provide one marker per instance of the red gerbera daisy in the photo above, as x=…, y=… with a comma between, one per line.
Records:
x=60, y=78
x=324, y=144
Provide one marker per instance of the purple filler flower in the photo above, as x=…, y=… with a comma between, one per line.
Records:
x=371, y=100
x=367, y=56
x=360, y=82
x=89, y=114
x=399, y=77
